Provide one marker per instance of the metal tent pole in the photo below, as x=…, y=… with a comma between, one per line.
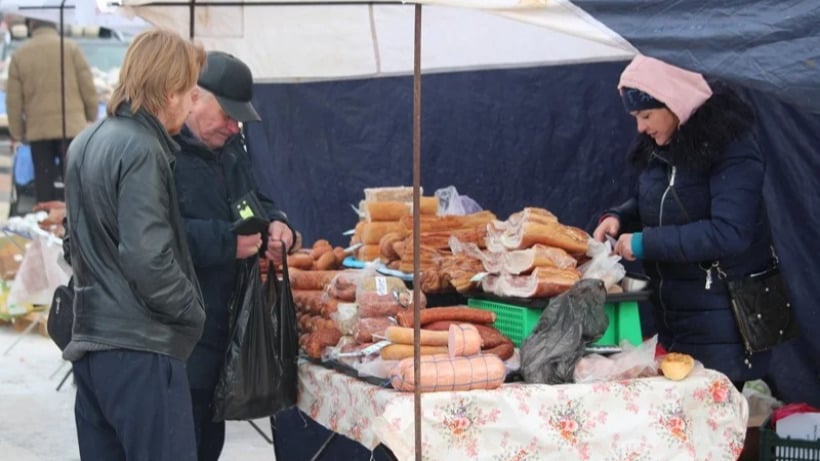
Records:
x=63, y=147
x=417, y=229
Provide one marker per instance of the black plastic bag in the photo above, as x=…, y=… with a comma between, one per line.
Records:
x=260, y=373
x=570, y=321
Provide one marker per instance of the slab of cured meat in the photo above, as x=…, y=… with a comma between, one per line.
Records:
x=544, y=282
x=526, y=260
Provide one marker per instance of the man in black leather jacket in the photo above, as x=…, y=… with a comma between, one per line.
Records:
x=137, y=311
x=212, y=171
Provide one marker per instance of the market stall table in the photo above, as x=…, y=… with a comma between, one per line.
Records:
x=702, y=417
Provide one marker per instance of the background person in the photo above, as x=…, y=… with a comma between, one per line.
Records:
x=698, y=201
x=212, y=171
x=137, y=310
x=34, y=101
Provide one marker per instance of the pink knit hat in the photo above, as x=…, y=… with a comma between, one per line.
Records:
x=681, y=90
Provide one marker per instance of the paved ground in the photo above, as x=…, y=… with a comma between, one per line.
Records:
x=36, y=421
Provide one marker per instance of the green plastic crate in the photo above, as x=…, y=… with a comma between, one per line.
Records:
x=776, y=448
x=517, y=322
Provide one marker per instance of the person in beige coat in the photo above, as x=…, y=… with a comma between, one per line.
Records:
x=33, y=102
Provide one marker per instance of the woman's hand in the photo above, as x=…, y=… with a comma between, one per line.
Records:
x=624, y=247
x=609, y=226
x=248, y=245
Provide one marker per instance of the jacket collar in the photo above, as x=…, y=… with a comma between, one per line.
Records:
x=186, y=137
x=169, y=146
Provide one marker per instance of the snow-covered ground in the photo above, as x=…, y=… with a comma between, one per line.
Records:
x=37, y=422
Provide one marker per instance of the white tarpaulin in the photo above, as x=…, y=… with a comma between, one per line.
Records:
x=75, y=12
x=296, y=42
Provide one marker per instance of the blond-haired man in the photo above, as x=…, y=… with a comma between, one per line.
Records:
x=138, y=310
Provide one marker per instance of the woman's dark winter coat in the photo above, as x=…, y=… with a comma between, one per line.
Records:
x=699, y=205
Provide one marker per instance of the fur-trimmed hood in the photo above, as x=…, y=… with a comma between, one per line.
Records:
x=723, y=118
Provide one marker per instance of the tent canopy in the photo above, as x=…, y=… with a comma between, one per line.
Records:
x=76, y=12
x=772, y=46
x=357, y=39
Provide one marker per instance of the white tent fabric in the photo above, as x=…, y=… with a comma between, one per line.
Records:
x=356, y=39
x=75, y=12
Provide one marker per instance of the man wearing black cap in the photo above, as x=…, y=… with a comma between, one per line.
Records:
x=212, y=171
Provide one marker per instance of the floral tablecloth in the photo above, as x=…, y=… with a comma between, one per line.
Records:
x=702, y=417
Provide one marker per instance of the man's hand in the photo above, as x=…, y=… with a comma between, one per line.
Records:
x=278, y=233
x=248, y=245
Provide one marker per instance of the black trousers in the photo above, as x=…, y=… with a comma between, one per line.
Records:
x=45, y=154
x=133, y=405
x=210, y=436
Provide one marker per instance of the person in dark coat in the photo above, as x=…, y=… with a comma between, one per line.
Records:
x=697, y=217
x=213, y=171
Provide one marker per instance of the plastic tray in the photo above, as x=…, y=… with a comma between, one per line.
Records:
x=517, y=322
x=775, y=448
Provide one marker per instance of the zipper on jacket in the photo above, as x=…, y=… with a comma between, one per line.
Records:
x=665, y=193
x=658, y=264
x=747, y=360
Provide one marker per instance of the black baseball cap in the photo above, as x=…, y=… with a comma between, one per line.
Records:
x=230, y=80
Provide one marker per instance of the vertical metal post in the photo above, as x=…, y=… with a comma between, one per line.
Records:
x=191, y=19
x=63, y=147
x=417, y=229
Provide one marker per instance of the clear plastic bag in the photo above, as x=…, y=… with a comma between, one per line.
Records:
x=604, y=265
x=451, y=203
x=632, y=362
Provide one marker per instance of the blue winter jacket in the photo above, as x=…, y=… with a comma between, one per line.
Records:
x=207, y=183
x=699, y=206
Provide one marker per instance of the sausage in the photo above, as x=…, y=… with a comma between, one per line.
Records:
x=300, y=261
x=310, y=280
x=343, y=286
x=309, y=301
x=319, y=340
x=456, y=313
x=386, y=211
x=463, y=340
x=326, y=260
x=504, y=351
x=490, y=336
x=367, y=327
x=442, y=373
x=339, y=254
x=328, y=305
x=402, y=335
x=403, y=351
x=320, y=248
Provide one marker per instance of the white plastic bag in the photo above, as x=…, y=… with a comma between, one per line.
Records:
x=40, y=273
x=451, y=203
x=604, y=265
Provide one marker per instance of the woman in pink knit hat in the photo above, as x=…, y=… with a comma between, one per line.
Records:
x=698, y=204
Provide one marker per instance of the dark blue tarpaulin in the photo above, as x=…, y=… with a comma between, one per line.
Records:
x=768, y=45
x=553, y=137
x=507, y=138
